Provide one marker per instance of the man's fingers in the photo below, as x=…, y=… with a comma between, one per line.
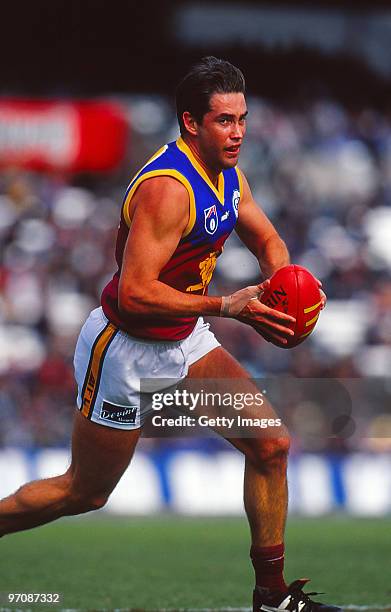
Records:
x=265, y=285
x=232, y=305
x=268, y=320
x=323, y=298
x=268, y=323
x=268, y=335
x=275, y=327
x=254, y=291
x=270, y=313
x=257, y=290
x=274, y=315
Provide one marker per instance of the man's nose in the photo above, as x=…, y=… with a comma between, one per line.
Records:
x=237, y=131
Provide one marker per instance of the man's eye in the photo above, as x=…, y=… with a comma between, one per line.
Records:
x=224, y=121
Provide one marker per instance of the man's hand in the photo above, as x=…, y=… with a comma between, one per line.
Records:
x=323, y=296
x=245, y=306
x=232, y=305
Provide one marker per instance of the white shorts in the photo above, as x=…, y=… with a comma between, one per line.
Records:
x=109, y=364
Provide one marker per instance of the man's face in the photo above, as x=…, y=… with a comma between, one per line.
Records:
x=222, y=130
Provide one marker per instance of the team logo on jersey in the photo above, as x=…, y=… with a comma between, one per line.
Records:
x=211, y=219
x=235, y=201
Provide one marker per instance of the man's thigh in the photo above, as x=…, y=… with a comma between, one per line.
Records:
x=219, y=373
x=223, y=378
x=100, y=455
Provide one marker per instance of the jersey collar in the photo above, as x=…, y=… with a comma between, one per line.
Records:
x=219, y=192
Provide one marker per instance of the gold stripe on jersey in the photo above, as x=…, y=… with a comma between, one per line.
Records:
x=240, y=180
x=182, y=146
x=163, y=172
x=158, y=153
x=94, y=370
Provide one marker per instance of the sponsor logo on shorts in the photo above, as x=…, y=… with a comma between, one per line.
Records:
x=118, y=414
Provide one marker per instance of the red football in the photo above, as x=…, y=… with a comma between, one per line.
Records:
x=295, y=291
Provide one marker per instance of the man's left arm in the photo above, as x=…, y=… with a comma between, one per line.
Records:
x=259, y=235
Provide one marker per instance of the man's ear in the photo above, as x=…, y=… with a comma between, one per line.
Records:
x=190, y=123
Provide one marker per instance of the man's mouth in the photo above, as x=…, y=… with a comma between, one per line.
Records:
x=233, y=149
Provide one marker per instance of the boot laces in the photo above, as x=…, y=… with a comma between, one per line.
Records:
x=299, y=596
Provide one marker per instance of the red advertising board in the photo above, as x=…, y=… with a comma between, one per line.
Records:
x=76, y=136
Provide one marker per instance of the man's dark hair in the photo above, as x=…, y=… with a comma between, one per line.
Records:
x=209, y=76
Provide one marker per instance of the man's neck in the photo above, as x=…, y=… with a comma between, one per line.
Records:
x=213, y=175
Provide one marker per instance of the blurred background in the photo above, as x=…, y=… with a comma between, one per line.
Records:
x=86, y=96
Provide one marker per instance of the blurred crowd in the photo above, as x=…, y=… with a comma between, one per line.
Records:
x=322, y=173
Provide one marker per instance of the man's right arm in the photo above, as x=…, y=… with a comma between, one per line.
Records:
x=160, y=215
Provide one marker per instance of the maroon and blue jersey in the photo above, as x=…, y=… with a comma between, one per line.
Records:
x=212, y=217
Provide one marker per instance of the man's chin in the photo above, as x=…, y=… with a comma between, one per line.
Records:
x=229, y=162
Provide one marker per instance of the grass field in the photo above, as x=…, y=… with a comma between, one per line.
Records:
x=101, y=563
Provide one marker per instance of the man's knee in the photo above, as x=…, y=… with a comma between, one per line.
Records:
x=78, y=501
x=271, y=453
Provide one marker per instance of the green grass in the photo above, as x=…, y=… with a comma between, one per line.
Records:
x=100, y=562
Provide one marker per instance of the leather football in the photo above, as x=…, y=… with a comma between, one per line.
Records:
x=295, y=291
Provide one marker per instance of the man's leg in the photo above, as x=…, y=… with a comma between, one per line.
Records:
x=265, y=483
x=100, y=456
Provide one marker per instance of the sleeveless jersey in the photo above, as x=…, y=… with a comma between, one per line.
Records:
x=213, y=214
